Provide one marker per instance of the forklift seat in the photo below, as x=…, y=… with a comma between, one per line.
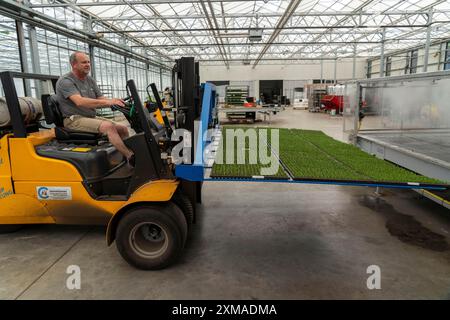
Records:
x=54, y=116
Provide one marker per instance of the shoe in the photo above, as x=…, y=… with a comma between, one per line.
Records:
x=132, y=161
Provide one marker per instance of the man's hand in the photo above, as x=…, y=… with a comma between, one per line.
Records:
x=117, y=102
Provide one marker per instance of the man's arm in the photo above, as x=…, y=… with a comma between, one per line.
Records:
x=90, y=103
x=68, y=90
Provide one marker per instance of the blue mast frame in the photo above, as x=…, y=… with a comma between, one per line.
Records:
x=196, y=170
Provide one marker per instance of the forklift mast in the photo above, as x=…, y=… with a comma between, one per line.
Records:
x=186, y=88
x=187, y=91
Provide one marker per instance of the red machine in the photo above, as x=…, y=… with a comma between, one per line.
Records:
x=333, y=102
x=249, y=102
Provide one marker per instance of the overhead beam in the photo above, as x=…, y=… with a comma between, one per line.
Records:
x=342, y=20
x=126, y=2
x=409, y=18
x=285, y=33
x=287, y=44
x=312, y=51
x=277, y=28
x=113, y=3
x=428, y=7
x=280, y=25
x=155, y=12
x=210, y=23
x=274, y=15
x=216, y=24
x=284, y=59
x=19, y=12
x=253, y=56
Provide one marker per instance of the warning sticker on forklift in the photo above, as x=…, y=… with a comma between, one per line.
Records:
x=54, y=193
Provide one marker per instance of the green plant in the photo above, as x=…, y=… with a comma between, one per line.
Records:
x=309, y=154
x=248, y=168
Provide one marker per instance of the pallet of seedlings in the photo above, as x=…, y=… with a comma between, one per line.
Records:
x=307, y=155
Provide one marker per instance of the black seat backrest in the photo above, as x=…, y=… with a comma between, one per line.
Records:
x=53, y=115
x=51, y=110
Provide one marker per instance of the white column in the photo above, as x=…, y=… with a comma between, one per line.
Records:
x=354, y=62
x=382, y=53
x=427, y=43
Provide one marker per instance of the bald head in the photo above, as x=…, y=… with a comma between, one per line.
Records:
x=77, y=55
x=81, y=64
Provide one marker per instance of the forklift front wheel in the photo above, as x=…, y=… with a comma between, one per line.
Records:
x=148, y=239
x=183, y=202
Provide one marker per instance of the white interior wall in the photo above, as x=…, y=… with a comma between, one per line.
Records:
x=289, y=89
x=305, y=72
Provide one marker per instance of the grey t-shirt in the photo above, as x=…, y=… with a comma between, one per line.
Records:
x=68, y=85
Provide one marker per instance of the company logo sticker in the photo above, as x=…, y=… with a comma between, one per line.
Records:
x=54, y=193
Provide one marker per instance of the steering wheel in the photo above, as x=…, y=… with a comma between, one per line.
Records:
x=127, y=109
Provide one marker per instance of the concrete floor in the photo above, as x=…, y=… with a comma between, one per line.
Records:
x=255, y=241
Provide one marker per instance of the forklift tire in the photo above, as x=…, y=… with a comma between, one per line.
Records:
x=183, y=202
x=177, y=215
x=148, y=238
x=10, y=228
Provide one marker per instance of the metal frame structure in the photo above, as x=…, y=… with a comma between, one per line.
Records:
x=377, y=141
x=217, y=32
x=400, y=153
x=37, y=44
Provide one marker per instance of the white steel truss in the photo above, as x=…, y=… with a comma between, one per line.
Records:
x=217, y=32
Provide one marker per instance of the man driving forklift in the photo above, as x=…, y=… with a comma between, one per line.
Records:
x=61, y=176
x=78, y=96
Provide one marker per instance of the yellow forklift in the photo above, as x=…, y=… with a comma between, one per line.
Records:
x=61, y=176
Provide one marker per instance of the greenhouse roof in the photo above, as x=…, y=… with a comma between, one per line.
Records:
x=253, y=32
